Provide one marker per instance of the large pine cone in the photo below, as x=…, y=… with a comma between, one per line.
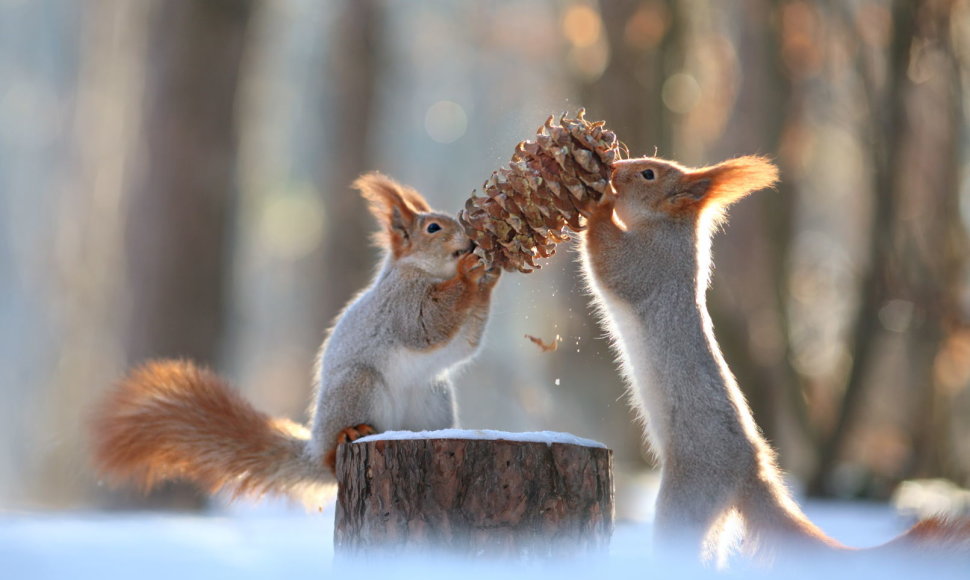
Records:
x=528, y=205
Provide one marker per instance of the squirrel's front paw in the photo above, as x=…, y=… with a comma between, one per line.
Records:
x=490, y=278
x=346, y=436
x=471, y=268
x=600, y=209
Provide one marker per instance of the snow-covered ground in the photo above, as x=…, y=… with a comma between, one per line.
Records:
x=276, y=541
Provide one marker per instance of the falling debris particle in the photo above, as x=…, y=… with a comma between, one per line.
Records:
x=557, y=382
x=545, y=346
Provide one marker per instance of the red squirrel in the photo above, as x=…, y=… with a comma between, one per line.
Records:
x=647, y=260
x=384, y=366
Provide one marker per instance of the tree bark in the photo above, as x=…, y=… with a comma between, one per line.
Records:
x=477, y=498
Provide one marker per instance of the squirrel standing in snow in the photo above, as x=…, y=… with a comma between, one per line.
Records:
x=384, y=366
x=647, y=260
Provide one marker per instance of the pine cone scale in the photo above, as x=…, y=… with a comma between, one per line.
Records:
x=550, y=181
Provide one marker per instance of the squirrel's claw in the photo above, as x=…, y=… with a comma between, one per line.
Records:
x=471, y=267
x=354, y=433
x=490, y=277
x=346, y=435
x=601, y=208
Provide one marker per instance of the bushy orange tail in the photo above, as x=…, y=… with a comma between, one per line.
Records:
x=174, y=420
x=775, y=521
x=938, y=535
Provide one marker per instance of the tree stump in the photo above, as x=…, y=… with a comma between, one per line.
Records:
x=473, y=497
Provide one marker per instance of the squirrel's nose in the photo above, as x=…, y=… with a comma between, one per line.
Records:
x=618, y=166
x=621, y=163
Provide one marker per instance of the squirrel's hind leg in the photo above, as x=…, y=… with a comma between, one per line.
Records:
x=355, y=396
x=689, y=509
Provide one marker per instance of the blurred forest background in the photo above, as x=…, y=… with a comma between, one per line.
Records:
x=174, y=181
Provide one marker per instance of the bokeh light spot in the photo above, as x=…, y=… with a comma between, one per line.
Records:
x=291, y=223
x=581, y=25
x=681, y=92
x=647, y=27
x=589, y=63
x=445, y=121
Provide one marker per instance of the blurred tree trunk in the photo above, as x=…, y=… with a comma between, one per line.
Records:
x=645, y=39
x=948, y=426
x=646, y=47
x=56, y=358
x=935, y=249
x=183, y=190
x=890, y=127
x=749, y=304
x=346, y=259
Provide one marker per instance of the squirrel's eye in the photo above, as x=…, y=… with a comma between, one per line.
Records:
x=648, y=174
x=432, y=228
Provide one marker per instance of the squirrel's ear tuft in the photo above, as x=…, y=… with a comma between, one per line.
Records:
x=394, y=205
x=725, y=183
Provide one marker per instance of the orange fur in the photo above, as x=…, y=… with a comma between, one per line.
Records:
x=346, y=436
x=173, y=420
x=731, y=180
x=936, y=534
x=469, y=273
x=395, y=207
x=685, y=193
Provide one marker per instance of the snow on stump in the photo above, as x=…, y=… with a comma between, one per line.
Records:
x=474, y=493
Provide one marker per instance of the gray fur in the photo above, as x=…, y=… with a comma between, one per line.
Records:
x=388, y=358
x=649, y=284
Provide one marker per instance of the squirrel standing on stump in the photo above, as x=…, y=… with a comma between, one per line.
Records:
x=384, y=366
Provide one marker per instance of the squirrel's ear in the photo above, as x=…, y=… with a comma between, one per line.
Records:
x=394, y=205
x=725, y=183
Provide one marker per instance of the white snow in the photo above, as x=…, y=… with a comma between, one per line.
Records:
x=274, y=540
x=547, y=437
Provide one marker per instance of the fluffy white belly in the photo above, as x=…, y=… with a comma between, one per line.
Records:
x=417, y=368
x=409, y=371
x=636, y=362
